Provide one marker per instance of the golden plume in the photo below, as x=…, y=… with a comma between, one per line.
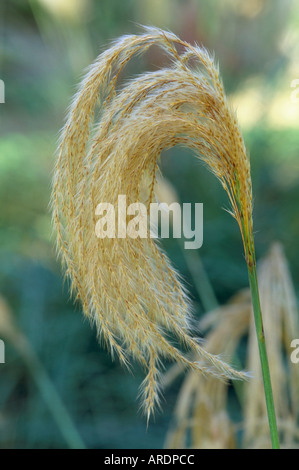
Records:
x=201, y=416
x=110, y=146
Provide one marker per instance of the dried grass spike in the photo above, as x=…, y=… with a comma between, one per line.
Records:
x=127, y=286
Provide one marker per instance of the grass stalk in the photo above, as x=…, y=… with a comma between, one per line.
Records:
x=252, y=274
x=248, y=242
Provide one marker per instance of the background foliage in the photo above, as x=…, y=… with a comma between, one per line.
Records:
x=45, y=45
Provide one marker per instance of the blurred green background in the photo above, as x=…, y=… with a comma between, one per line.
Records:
x=45, y=46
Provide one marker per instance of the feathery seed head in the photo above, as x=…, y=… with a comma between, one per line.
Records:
x=110, y=145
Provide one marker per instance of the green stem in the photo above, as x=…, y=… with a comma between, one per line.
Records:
x=263, y=354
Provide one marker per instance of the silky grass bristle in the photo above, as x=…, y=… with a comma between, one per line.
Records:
x=202, y=420
x=110, y=145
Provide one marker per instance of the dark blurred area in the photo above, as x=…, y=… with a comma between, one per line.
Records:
x=45, y=47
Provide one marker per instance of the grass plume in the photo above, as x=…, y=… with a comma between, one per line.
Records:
x=110, y=145
x=201, y=416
